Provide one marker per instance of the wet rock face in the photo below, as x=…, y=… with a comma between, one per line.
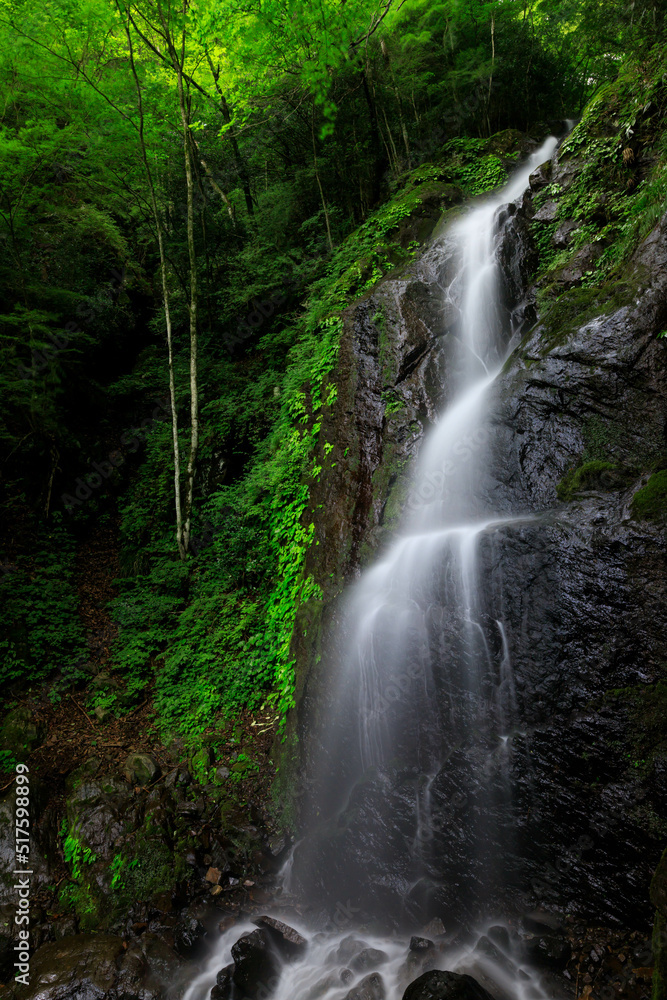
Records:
x=445, y=986
x=258, y=957
x=256, y=963
x=95, y=966
x=224, y=984
x=581, y=589
x=44, y=845
x=286, y=941
x=370, y=988
x=101, y=811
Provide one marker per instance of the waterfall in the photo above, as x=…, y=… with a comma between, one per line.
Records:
x=445, y=524
x=426, y=665
x=424, y=677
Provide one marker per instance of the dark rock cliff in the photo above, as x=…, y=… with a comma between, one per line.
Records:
x=577, y=439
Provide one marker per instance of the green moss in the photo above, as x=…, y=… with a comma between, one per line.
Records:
x=543, y=233
x=81, y=900
x=650, y=502
x=286, y=788
x=646, y=705
x=564, y=312
x=150, y=868
x=615, y=199
x=100, y=892
x=473, y=167
x=592, y=475
x=602, y=438
x=393, y=405
x=399, y=489
x=200, y=764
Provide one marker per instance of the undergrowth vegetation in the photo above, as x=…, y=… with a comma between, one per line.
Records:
x=617, y=194
x=43, y=634
x=213, y=635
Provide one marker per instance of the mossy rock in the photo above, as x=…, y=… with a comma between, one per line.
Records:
x=506, y=143
x=19, y=733
x=650, y=502
x=562, y=313
x=199, y=765
x=143, y=868
x=82, y=900
x=85, y=772
x=140, y=769
x=595, y=474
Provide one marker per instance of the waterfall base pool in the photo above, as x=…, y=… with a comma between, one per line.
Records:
x=352, y=964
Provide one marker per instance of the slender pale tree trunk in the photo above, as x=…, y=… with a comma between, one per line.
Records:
x=399, y=105
x=394, y=155
x=319, y=182
x=182, y=548
x=493, y=63
x=216, y=187
x=193, y=304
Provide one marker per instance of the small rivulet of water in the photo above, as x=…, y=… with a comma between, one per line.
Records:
x=425, y=670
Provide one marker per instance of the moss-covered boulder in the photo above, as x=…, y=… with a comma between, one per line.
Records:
x=650, y=502
x=140, y=769
x=89, y=966
x=19, y=733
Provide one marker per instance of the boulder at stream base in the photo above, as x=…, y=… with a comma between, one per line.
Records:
x=224, y=984
x=76, y=968
x=288, y=942
x=256, y=964
x=97, y=966
x=370, y=988
x=445, y=986
x=367, y=959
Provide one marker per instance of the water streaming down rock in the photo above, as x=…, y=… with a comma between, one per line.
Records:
x=425, y=678
x=350, y=964
x=426, y=672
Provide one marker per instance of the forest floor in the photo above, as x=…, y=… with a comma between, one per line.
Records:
x=71, y=735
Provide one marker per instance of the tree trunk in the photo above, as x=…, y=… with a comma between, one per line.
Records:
x=378, y=163
x=393, y=155
x=319, y=182
x=192, y=309
x=493, y=61
x=216, y=187
x=399, y=106
x=238, y=159
x=167, y=311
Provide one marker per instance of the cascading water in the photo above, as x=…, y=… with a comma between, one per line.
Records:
x=425, y=679
x=426, y=672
